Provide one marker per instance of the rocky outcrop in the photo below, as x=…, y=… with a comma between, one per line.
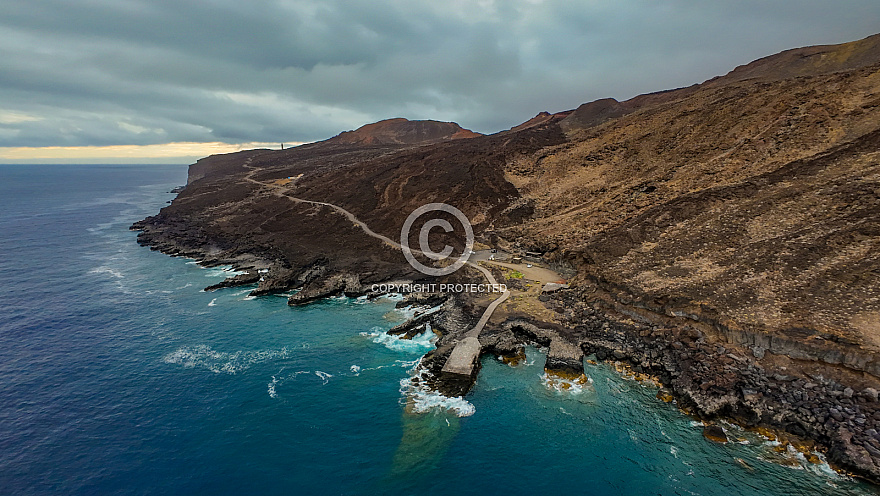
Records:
x=413, y=326
x=715, y=433
x=249, y=277
x=564, y=358
x=278, y=279
x=338, y=284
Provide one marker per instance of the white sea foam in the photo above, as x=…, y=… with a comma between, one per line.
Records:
x=564, y=385
x=324, y=376
x=411, y=311
x=272, y=384
x=423, y=342
x=822, y=468
x=425, y=400
x=224, y=271
x=100, y=227
x=405, y=313
x=107, y=270
x=213, y=303
x=278, y=380
x=357, y=369
x=220, y=361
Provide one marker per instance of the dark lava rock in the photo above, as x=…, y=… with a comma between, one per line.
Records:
x=715, y=433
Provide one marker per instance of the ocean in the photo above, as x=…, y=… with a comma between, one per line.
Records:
x=119, y=375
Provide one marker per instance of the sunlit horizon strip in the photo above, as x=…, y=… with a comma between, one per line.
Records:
x=165, y=151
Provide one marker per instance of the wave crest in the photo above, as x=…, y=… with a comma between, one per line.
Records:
x=422, y=343
x=424, y=399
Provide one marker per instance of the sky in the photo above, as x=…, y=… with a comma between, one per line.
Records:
x=171, y=81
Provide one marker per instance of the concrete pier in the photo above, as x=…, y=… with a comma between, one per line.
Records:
x=463, y=359
x=460, y=370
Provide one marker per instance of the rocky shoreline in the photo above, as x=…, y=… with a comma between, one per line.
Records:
x=804, y=397
x=709, y=380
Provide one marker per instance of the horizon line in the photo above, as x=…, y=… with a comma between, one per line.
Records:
x=181, y=151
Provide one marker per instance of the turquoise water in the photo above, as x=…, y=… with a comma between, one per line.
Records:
x=118, y=375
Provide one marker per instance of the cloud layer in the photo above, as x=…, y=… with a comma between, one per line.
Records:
x=141, y=72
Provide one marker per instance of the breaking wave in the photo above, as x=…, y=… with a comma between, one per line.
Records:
x=423, y=342
x=424, y=399
x=225, y=271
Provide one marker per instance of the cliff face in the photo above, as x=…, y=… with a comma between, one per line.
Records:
x=741, y=215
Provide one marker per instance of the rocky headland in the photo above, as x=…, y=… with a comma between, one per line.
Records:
x=723, y=238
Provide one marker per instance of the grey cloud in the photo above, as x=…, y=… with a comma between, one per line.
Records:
x=277, y=71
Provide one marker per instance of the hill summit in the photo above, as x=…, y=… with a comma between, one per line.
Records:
x=402, y=131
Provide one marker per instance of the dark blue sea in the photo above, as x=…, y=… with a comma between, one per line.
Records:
x=119, y=375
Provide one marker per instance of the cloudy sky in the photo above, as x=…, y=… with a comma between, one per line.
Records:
x=169, y=80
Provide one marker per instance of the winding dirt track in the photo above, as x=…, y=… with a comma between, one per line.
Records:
x=492, y=306
x=474, y=332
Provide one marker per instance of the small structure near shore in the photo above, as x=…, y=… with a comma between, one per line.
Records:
x=552, y=287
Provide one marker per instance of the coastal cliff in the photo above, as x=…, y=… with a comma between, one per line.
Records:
x=722, y=237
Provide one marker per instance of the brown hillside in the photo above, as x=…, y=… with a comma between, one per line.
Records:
x=808, y=61
x=593, y=194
